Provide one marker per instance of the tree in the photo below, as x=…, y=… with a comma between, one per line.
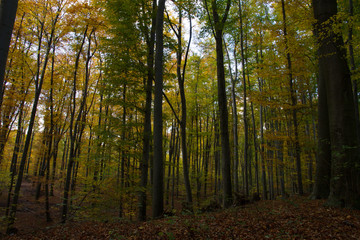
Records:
x=245, y=119
x=75, y=129
x=181, y=79
x=293, y=101
x=144, y=163
x=334, y=74
x=158, y=164
x=7, y=18
x=39, y=80
x=217, y=23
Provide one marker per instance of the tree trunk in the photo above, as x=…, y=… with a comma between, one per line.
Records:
x=73, y=132
x=353, y=69
x=172, y=145
x=8, y=10
x=38, y=87
x=334, y=74
x=224, y=129
x=246, y=141
x=235, y=117
x=293, y=103
x=14, y=159
x=261, y=148
x=158, y=165
x=144, y=163
x=218, y=26
x=181, y=79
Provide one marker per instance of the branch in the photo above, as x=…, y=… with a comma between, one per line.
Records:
x=226, y=13
x=211, y=24
x=188, y=48
x=173, y=110
x=171, y=25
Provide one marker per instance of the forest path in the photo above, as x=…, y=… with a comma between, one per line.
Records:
x=30, y=216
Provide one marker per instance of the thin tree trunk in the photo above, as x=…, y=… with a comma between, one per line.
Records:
x=38, y=87
x=170, y=164
x=261, y=148
x=280, y=157
x=29, y=154
x=246, y=141
x=181, y=79
x=293, y=103
x=14, y=159
x=73, y=132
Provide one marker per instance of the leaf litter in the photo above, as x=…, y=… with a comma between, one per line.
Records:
x=293, y=218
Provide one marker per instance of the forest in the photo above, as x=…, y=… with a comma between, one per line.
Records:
x=138, y=111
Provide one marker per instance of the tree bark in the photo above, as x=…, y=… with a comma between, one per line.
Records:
x=334, y=73
x=218, y=26
x=323, y=164
x=353, y=68
x=158, y=165
x=8, y=10
x=235, y=116
x=144, y=163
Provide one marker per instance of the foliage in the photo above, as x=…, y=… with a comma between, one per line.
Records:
x=95, y=71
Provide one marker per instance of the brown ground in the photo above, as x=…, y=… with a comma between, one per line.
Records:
x=30, y=214
x=293, y=218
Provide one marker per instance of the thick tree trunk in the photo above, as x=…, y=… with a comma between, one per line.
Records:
x=158, y=165
x=235, y=117
x=216, y=153
x=218, y=26
x=224, y=128
x=8, y=10
x=334, y=73
x=144, y=163
x=353, y=69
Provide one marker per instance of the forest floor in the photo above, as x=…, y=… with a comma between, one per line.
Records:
x=292, y=218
